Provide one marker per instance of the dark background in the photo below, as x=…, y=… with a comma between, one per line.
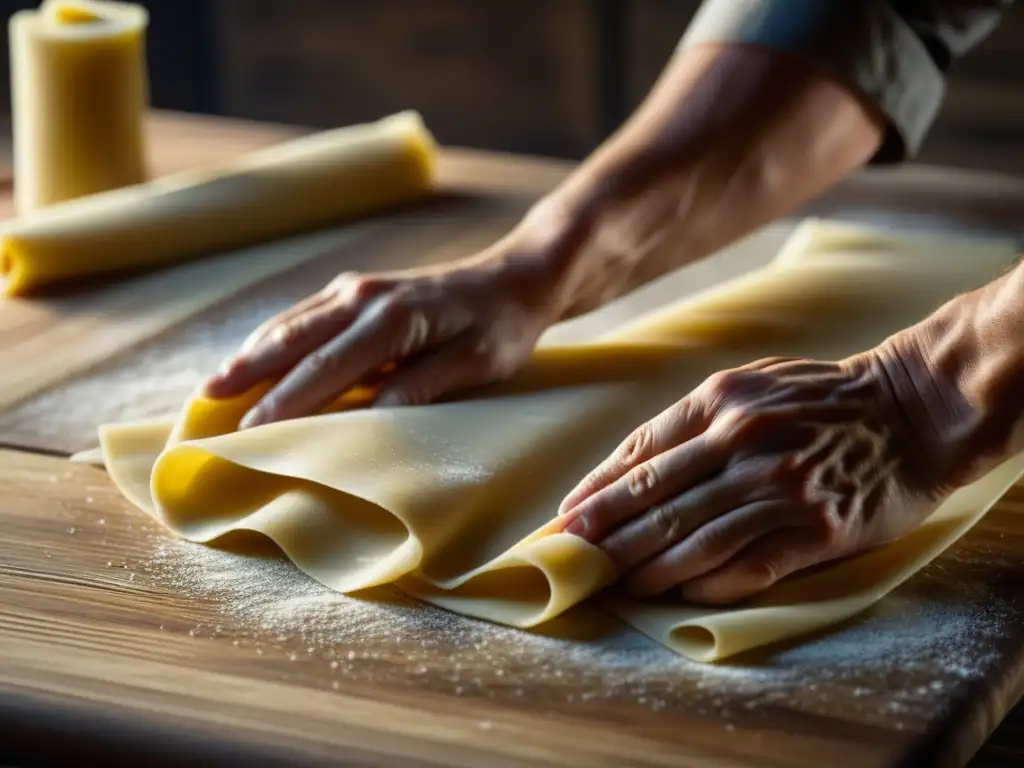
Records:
x=544, y=76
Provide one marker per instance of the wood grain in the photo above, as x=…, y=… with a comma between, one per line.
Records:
x=98, y=607
x=97, y=321
x=82, y=329
x=175, y=142
x=179, y=141
x=919, y=681
x=152, y=376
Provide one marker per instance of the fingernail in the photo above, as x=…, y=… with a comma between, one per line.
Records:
x=216, y=380
x=577, y=527
x=567, y=505
x=252, y=419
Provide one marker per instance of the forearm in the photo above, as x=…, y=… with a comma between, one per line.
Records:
x=731, y=137
x=963, y=369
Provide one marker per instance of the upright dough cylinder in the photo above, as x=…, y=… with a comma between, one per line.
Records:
x=79, y=92
x=295, y=186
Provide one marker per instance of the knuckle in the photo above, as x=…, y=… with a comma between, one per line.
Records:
x=602, y=475
x=762, y=572
x=688, y=409
x=753, y=429
x=234, y=365
x=322, y=364
x=340, y=284
x=735, y=424
x=261, y=333
x=352, y=285
x=706, y=542
x=666, y=522
x=641, y=480
x=394, y=307
x=725, y=383
x=636, y=447
x=285, y=335
x=499, y=368
x=594, y=479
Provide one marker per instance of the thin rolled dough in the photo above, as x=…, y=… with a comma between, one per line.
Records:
x=453, y=502
x=289, y=188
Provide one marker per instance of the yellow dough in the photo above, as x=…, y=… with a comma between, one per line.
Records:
x=79, y=92
x=454, y=502
x=298, y=185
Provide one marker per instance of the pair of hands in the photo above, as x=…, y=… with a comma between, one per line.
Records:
x=761, y=471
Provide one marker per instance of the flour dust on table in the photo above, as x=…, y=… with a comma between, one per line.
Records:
x=893, y=663
x=360, y=498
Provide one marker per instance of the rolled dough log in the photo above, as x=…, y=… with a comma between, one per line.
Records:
x=454, y=502
x=300, y=184
x=79, y=91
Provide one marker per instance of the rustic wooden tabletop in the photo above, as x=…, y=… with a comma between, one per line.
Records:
x=120, y=642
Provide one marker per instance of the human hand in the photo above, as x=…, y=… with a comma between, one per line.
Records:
x=768, y=469
x=416, y=335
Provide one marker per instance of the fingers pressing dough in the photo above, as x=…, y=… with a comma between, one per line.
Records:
x=457, y=502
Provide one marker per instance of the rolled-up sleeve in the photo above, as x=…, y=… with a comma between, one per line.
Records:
x=894, y=53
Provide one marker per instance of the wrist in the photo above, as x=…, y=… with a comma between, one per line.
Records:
x=955, y=379
x=597, y=231
x=924, y=411
x=538, y=256
x=557, y=240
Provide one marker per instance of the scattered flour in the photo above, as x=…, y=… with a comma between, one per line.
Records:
x=151, y=382
x=898, y=665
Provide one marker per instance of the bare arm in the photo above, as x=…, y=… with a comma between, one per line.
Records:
x=731, y=137
x=895, y=429
x=767, y=104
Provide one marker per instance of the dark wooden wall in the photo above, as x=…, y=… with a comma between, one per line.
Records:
x=545, y=76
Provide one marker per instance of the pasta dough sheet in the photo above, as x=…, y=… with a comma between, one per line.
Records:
x=455, y=502
x=295, y=186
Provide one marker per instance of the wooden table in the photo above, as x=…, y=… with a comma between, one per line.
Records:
x=118, y=642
